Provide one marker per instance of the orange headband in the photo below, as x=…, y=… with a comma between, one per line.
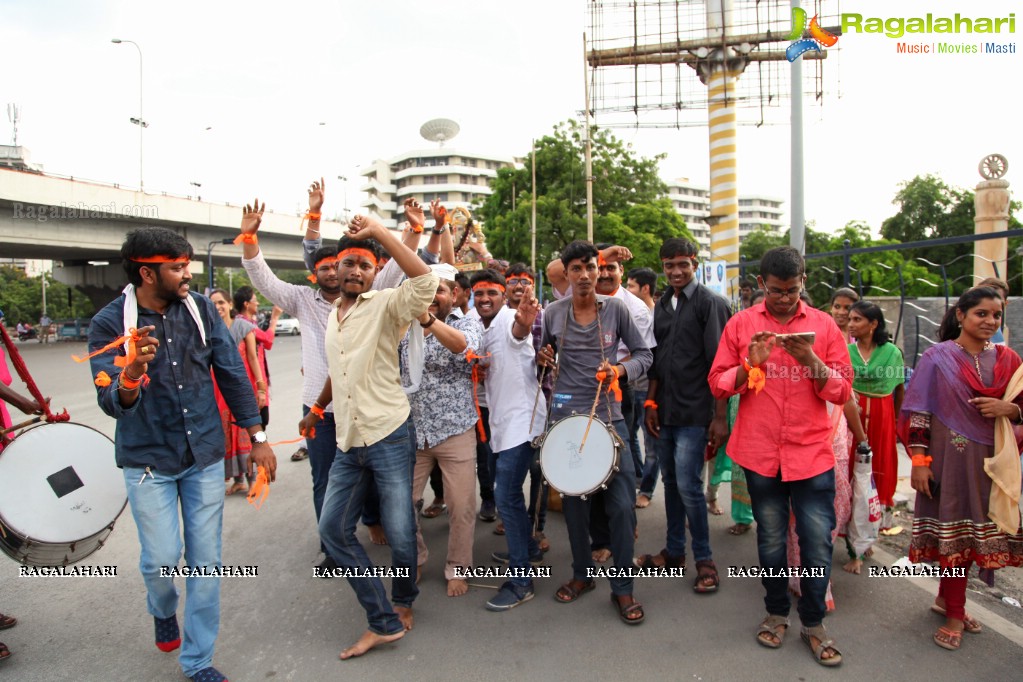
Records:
x=162, y=259
x=323, y=261
x=355, y=251
x=488, y=285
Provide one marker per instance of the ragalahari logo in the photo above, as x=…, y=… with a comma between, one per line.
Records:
x=819, y=38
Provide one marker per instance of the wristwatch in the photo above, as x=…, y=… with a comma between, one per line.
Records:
x=259, y=437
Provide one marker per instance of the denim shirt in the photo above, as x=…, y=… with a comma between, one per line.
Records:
x=174, y=423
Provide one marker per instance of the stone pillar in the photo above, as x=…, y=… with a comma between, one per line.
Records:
x=992, y=215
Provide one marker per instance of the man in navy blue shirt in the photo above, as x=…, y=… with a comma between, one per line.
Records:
x=169, y=440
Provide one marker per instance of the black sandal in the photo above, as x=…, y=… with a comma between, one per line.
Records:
x=573, y=589
x=5, y=653
x=668, y=561
x=626, y=610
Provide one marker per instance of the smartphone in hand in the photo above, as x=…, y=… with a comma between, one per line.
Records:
x=809, y=336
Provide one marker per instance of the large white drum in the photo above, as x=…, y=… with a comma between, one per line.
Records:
x=60, y=494
x=574, y=471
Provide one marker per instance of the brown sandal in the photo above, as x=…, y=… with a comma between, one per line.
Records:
x=5, y=653
x=572, y=590
x=706, y=570
x=7, y=621
x=650, y=561
x=627, y=611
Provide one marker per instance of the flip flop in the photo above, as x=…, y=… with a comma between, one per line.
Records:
x=970, y=624
x=5, y=653
x=948, y=639
x=7, y=621
x=740, y=528
x=299, y=455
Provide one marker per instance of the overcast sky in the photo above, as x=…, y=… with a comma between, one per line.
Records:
x=264, y=75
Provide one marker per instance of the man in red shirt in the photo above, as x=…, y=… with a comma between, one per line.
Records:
x=782, y=437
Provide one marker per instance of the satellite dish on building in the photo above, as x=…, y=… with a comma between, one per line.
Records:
x=439, y=130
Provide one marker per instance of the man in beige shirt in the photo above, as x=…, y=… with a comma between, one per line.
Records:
x=375, y=435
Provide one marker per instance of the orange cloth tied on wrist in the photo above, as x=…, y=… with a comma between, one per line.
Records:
x=471, y=357
x=121, y=360
x=260, y=489
x=601, y=261
x=757, y=378
x=613, y=386
x=246, y=238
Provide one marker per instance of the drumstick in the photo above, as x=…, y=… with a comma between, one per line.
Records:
x=593, y=413
x=29, y=422
x=536, y=400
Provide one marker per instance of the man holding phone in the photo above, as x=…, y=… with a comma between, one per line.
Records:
x=782, y=437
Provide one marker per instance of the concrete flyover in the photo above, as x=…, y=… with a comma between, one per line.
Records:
x=81, y=224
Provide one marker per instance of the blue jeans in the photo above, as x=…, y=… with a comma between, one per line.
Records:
x=321, y=456
x=680, y=452
x=510, y=475
x=619, y=502
x=813, y=503
x=389, y=462
x=650, y=468
x=633, y=416
x=154, y=505
x=537, y=510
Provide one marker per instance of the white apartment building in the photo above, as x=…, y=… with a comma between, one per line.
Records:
x=455, y=177
x=692, y=202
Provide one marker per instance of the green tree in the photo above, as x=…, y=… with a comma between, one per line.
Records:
x=21, y=298
x=628, y=200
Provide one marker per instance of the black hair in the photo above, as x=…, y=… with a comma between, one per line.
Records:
x=462, y=280
x=757, y=295
x=747, y=283
x=489, y=275
x=676, y=246
x=146, y=242
x=645, y=277
x=784, y=262
x=519, y=269
x=242, y=295
x=347, y=242
x=950, y=329
x=321, y=253
x=999, y=285
x=578, y=250
x=873, y=313
x=846, y=292
x=805, y=297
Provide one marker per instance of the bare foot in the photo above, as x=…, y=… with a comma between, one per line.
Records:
x=369, y=640
x=853, y=566
x=601, y=555
x=405, y=616
x=642, y=501
x=457, y=587
x=713, y=508
x=376, y=535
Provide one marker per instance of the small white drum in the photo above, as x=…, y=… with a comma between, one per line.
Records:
x=60, y=494
x=572, y=471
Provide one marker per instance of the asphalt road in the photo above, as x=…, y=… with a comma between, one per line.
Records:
x=286, y=625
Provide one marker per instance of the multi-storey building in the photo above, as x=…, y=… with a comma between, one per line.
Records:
x=455, y=177
x=692, y=202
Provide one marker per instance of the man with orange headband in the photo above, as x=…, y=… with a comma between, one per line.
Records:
x=376, y=435
x=169, y=440
x=513, y=424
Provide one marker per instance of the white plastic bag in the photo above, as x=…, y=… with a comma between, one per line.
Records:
x=866, y=510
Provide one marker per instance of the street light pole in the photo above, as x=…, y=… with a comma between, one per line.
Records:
x=141, y=122
x=209, y=255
